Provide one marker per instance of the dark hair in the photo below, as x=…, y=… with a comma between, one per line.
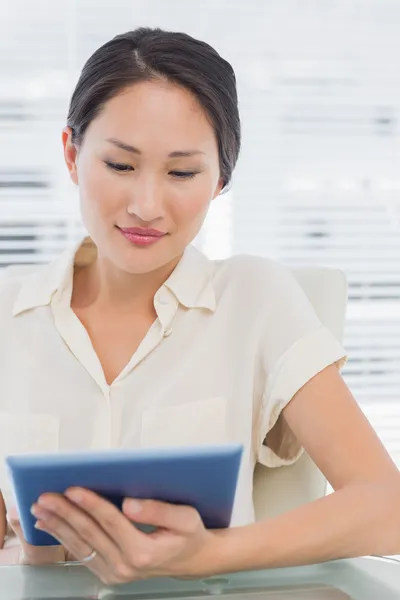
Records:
x=149, y=54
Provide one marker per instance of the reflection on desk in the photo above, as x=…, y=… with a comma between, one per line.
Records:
x=356, y=579
x=307, y=592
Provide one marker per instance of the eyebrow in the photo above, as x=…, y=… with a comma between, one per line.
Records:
x=129, y=148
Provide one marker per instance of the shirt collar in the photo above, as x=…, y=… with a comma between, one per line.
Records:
x=190, y=282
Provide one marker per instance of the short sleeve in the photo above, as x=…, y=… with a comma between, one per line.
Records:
x=295, y=346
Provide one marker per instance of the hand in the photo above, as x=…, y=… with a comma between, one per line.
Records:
x=83, y=522
x=34, y=555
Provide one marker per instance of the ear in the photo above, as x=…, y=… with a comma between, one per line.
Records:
x=218, y=189
x=70, y=154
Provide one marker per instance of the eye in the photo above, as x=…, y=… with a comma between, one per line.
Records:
x=119, y=167
x=183, y=174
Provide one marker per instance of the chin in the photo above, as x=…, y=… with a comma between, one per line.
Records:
x=143, y=262
x=139, y=260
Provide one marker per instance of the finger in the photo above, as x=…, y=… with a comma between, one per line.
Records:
x=109, y=564
x=108, y=569
x=75, y=529
x=182, y=519
x=123, y=533
x=38, y=555
x=74, y=547
x=69, y=539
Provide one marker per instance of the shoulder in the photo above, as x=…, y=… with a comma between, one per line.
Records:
x=266, y=292
x=12, y=280
x=255, y=276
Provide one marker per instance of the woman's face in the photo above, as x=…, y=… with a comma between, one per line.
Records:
x=148, y=161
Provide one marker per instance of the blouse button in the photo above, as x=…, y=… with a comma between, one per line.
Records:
x=163, y=299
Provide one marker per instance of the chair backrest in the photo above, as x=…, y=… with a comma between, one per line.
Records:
x=281, y=489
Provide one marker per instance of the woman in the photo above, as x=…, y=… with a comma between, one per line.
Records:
x=136, y=339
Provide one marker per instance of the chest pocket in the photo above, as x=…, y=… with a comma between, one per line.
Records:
x=24, y=434
x=194, y=423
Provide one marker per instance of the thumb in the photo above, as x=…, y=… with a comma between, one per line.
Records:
x=181, y=519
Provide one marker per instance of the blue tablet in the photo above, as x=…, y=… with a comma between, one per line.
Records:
x=203, y=477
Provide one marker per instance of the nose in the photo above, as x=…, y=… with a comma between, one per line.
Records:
x=146, y=199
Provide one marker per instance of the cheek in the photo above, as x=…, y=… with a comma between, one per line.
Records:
x=98, y=191
x=192, y=206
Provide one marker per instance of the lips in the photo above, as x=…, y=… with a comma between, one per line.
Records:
x=140, y=236
x=142, y=231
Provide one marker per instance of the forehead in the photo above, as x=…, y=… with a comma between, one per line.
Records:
x=156, y=113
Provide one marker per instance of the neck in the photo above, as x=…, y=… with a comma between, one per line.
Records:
x=113, y=290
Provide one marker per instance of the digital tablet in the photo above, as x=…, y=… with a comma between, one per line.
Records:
x=203, y=477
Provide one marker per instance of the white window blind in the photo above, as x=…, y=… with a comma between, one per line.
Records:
x=318, y=180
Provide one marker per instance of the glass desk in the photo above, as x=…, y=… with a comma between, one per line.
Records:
x=356, y=579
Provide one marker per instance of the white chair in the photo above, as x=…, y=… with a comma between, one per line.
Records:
x=284, y=488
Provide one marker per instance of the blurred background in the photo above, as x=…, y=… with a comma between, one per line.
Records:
x=318, y=181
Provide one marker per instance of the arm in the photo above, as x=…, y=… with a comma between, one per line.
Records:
x=361, y=517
